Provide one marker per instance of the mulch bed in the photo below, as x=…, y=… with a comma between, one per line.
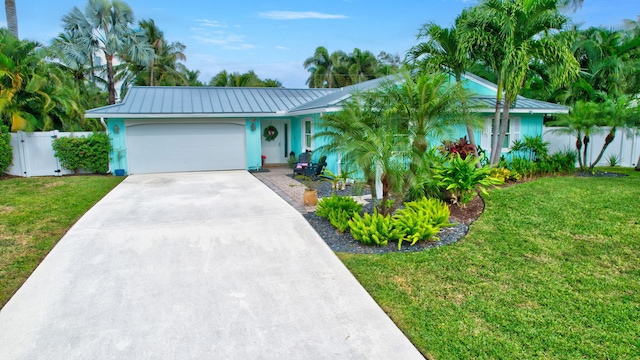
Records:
x=461, y=218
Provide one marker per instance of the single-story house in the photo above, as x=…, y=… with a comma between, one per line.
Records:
x=172, y=129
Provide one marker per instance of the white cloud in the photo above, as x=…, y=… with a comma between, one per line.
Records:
x=210, y=32
x=211, y=23
x=298, y=15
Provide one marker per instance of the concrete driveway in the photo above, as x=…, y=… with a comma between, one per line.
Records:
x=195, y=266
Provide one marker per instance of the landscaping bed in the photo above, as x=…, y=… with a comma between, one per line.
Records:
x=344, y=242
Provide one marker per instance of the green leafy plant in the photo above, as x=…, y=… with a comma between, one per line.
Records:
x=420, y=220
x=91, y=153
x=292, y=159
x=6, y=151
x=374, y=229
x=532, y=148
x=338, y=210
x=333, y=202
x=339, y=219
x=613, y=160
x=308, y=182
x=460, y=178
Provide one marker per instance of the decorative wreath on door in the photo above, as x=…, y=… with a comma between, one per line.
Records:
x=270, y=133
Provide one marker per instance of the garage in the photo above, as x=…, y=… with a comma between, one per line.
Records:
x=175, y=147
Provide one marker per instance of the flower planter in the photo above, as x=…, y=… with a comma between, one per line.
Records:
x=119, y=172
x=310, y=197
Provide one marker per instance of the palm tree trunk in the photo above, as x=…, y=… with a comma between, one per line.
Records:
x=111, y=85
x=151, y=73
x=637, y=167
x=12, y=16
x=496, y=126
x=608, y=140
x=585, y=144
x=503, y=130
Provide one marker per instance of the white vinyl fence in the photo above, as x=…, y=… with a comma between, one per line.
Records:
x=33, y=153
x=627, y=149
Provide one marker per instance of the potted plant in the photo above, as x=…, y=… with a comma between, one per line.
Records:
x=119, y=155
x=310, y=197
x=264, y=157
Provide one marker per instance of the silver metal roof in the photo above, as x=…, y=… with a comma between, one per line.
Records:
x=183, y=101
x=521, y=105
x=193, y=102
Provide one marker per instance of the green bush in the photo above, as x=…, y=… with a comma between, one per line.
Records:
x=6, y=152
x=420, y=220
x=340, y=219
x=373, y=229
x=460, y=178
x=91, y=153
x=339, y=210
x=346, y=203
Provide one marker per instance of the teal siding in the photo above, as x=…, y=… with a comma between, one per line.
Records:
x=332, y=159
x=531, y=125
x=253, y=143
x=296, y=135
x=478, y=89
x=118, y=142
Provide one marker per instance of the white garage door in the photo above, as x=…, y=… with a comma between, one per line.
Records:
x=154, y=148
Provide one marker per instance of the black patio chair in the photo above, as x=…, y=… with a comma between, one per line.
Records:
x=304, y=163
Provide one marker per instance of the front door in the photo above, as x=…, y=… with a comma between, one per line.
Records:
x=277, y=149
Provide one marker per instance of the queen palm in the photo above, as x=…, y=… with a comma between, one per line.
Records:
x=165, y=67
x=363, y=66
x=517, y=28
x=443, y=50
x=105, y=27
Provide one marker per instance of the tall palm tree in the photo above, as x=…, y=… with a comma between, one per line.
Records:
x=518, y=27
x=327, y=70
x=105, y=27
x=363, y=66
x=386, y=134
x=442, y=48
x=164, y=67
x=12, y=16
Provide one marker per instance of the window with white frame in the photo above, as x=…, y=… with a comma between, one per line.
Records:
x=308, y=134
x=512, y=133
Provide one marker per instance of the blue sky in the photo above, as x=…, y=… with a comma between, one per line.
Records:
x=273, y=38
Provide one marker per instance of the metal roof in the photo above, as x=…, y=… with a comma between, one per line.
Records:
x=184, y=101
x=193, y=102
x=521, y=105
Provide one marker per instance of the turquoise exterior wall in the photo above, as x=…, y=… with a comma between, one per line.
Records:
x=296, y=135
x=119, y=145
x=253, y=143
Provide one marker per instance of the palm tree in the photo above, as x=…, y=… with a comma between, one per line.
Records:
x=518, y=28
x=105, y=27
x=327, y=70
x=165, y=65
x=386, y=134
x=442, y=49
x=363, y=66
x=616, y=113
x=236, y=79
x=12, y=16
x=581, y=123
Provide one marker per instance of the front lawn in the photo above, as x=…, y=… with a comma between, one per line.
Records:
x=550, y=270
x=34, y=214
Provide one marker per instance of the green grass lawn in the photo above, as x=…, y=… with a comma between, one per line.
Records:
x=34, y=214
x=550, y=270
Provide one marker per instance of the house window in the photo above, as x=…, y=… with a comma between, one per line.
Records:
x=511, y=134
x=308, y=134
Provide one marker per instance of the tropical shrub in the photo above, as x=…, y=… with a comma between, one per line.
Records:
x=531, y=148
x=376, y=229
x=338, y=210
x=462, y=146
x=6, y=152
x=420, y=220
x=460, y=178
x=503, y=174
x=91, y=153
x=340, y=219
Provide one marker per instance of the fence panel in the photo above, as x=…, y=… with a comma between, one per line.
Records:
x=33, y=153
x=627, y=149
